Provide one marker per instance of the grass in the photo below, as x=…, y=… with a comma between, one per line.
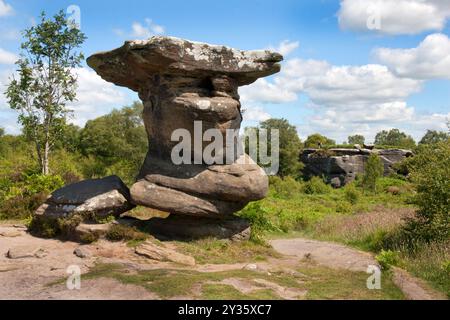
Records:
x=320, y=282
x=356, y=218
x=213, y=251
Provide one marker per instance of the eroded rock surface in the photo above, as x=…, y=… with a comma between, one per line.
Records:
x=183, y=84
x=86, y=201
x=341, y=166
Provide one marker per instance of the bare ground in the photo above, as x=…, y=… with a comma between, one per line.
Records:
x=39, y=275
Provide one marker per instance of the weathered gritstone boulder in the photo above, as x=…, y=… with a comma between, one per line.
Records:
x=341, y=166
x=180, y=83
x=88, y=200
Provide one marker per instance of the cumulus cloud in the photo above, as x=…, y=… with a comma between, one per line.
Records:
x=394, y=16
x=286, y=47
x=142, y=30
x=255, y=113
x=7, y=57
x=346, y=100
x=430, y=60
x=95, y=97
x=5, y=9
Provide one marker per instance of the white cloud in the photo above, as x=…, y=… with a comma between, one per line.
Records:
x=346, y=100
x=394, y=16
x=286, y=47
x=95, y=97
x=266, y=92
x=142, y=30
x=255, y=113
x=7, y=57
x=431, y=59
x=5, y=9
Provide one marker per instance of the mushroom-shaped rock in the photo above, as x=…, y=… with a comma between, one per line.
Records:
x=193, y=87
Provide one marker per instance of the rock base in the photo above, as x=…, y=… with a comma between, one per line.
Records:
x=177, y=227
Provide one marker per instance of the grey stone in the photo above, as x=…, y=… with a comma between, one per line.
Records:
x=341, y=166
x=152, y=251
x=21, y=252
x=181, y=227
x=97, y=197
x=81, y=253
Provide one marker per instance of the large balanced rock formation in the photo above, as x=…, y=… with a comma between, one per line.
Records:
x=183, y=84
x=341, y=166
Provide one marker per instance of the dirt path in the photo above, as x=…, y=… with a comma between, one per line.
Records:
x=32, y=268
x=338, y=256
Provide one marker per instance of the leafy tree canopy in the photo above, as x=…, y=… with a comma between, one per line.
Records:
x=433, y=137
x=317, y=140
x=356, y=139
x=394, y=138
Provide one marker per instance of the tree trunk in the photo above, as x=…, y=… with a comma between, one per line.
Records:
x=45, y=170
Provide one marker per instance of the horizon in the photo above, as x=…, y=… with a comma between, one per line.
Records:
x=339, y=77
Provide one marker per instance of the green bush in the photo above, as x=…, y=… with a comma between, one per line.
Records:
x=387, y=258
x=37, y=183
x=259, y=220
x=430, y=172
x=119, y=232
x=372, y=172
x=316, y=186
x=352, y=194
x=285, y=188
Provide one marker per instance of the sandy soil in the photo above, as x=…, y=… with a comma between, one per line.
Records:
x=43, y=263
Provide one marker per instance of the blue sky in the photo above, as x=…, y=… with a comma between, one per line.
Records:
x=340, y=77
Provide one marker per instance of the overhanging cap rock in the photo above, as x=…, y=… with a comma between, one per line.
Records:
x=133, y=63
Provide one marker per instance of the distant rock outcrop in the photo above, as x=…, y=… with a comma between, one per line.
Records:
x=341, y=166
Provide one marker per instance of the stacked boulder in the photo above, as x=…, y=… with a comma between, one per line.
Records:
x=193, y=87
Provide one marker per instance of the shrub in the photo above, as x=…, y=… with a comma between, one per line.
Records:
x=316, y=186
x=286, y=187
x=372, y=172
x=430, y=172
x=37, y=183
x=259, y=220
x=344, y=207
x=387, y=258
x=119, y=232
x=352, y=194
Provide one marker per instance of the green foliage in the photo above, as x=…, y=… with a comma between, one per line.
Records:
x=115, y=143
x=259, y=220
x=285, y=188
x=46, y=82
x=2, y=132
x=119, y=232
x=387, y=258
x=430, y=171
x=356, y=139
x=394, y=138
x=433, y=137
x=37, y=183
x=352, y=194
x=316, y=186
x=373, y=171
x=289, y=146
x=317, y=140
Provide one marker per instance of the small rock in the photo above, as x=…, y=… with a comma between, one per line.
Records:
x=10, y=233
x=154, y=252
x=25, y=252
x=81, y=253
x=251, y=267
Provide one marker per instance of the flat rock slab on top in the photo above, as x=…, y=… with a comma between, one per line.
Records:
x=131, y=64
